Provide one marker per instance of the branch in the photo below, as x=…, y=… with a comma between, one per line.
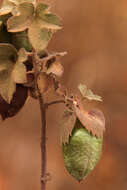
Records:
x=43, y=107
x=43, y=144
x=43, y=125
x=54, y=102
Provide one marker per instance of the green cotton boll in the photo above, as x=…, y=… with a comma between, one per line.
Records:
x=82, y=152
x=20, y=40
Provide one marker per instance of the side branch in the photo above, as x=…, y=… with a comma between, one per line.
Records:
x=54, y=102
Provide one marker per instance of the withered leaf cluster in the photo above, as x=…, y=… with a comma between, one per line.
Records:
x=25, y=25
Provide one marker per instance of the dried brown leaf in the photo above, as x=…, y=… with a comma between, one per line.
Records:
x=56, y=68
x=66, y=126
x=92, y=120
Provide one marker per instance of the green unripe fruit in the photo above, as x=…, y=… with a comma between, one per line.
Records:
x=82, y=152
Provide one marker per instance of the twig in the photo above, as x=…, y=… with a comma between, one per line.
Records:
x=54, y=102
x=50, y=56
x=43, y=126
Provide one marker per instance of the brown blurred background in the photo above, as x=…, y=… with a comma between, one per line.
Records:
x=95, y=36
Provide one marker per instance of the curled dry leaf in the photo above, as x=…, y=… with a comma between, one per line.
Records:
x=56, y=68
x=87, y=93
x=66, y=126
x=52, y=63
x=92, y=120
x=17, y=102
x=44, y=82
